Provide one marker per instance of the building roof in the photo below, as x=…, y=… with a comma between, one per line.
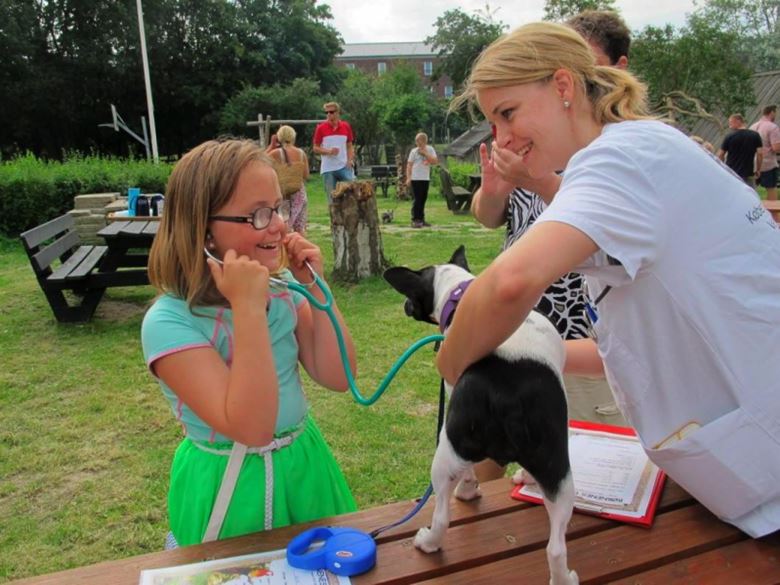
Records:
x=394, y=50
x=469, y=140
x=766, y=88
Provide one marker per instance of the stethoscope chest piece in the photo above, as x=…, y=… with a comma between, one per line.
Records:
x=344, y=551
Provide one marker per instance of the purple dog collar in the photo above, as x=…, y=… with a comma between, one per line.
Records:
x=452, y=302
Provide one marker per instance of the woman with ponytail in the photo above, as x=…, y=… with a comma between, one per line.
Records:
x=681, y=260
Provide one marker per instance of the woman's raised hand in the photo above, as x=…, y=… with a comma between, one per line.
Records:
x=493, y=183
x=240, y=280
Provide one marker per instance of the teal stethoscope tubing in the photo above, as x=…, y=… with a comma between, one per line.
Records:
x=327, y=307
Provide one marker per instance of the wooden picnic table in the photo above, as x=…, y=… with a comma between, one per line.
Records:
x=496, y=540
x=128, y=243
x=773, y=207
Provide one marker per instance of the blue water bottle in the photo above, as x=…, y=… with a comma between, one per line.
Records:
x=132, y=197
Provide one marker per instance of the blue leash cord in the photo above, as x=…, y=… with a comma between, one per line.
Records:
x=327, y=307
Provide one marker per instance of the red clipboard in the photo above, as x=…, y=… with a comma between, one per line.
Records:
x=645, y=520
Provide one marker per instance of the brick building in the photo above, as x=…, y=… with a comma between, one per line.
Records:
x=377, y=58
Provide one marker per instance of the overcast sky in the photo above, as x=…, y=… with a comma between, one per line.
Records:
x=374, y=21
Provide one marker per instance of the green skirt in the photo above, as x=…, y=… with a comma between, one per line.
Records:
x=307, y=485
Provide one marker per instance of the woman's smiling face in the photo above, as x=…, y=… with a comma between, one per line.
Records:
x=257, y=186
x=530, y=120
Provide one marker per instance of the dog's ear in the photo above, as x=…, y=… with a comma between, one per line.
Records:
x=459, y=258
x=416, y=286
x=406, y=281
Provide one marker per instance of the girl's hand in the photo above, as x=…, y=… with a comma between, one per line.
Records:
x=241, y=280
x=299, y=251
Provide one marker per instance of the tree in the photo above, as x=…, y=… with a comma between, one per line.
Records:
x=698, y=60
x=459, y=39
x=65, y=61
x=404, y=105
x=757, y=22
x=299, y=100
x=560, y=10
x=357, y=97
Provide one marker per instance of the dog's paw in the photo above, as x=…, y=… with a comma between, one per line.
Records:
x=425, y=542
x=571, y=579
x=467, y=490
x=522, y=476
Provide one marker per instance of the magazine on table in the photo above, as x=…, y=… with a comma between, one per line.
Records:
x=613, y=477
x=268, y=568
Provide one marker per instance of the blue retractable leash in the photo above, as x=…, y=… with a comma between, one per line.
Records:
x=347, y=551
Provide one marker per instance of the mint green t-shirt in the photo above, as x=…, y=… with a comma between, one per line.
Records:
x=169, y=327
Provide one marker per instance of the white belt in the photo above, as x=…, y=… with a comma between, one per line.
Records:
x=230, y=477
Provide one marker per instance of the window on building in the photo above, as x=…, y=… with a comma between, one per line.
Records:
x=448, y=91
x=381, y=67
x=350, y=65
x=428, y=68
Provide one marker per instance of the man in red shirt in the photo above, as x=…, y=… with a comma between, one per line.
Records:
x=333, y=140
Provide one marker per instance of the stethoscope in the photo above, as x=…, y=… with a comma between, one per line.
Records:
x=345, y=551
x=327, y=307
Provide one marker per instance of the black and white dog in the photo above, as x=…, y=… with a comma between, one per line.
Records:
x=509, y=406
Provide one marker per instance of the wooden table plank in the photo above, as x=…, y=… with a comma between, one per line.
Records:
x=749, y=562
x=621, y=551
x=112, y=228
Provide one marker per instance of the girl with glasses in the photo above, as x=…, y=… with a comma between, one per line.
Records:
x=226, y=349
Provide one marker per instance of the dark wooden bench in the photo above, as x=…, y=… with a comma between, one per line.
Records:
x=61, y=263
x=458, y=199
x=495, y=540
x=384, y=176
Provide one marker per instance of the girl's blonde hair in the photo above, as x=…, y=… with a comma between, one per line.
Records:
x=286, y=135
x=202, y=182
x=534, y=52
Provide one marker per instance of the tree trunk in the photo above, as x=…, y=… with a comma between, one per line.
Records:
x=402, y=190
x=357, y=241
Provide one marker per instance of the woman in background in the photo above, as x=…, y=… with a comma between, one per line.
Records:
x=418, y=177
x=292, y=166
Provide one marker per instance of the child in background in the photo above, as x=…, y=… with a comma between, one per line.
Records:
x=225, y=346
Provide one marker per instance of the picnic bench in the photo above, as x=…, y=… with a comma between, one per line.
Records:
x=384, y=176
x=458, y=199
x=63, y=264
x=496, y=540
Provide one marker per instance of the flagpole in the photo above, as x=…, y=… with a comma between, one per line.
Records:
x=148, y=82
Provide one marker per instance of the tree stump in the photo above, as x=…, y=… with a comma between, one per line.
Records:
x=357, y=241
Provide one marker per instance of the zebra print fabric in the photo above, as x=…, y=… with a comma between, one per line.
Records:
x=564, y=301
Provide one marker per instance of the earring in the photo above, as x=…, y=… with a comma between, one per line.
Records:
x=566, y=104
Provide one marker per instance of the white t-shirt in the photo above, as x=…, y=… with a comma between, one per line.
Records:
x=421, y=170
x=691, y=329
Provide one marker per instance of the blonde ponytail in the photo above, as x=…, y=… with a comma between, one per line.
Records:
x=616, y=96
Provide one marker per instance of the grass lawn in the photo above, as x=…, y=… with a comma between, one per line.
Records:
x=86, y=438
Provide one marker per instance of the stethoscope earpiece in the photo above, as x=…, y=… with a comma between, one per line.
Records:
x=278, y=281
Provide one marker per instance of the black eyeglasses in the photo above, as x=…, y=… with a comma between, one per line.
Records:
x=330, y=111
x=260, y=217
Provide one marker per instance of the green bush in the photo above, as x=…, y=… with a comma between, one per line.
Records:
x=33, y=191
x=460, y=171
